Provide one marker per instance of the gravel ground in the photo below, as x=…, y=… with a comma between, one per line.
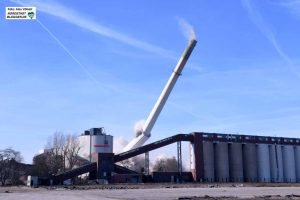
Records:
x=147, y=192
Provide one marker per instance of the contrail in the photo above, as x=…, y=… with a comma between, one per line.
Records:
x=55, y=9
x=71, y=16
x=68, y=52
x=258, y=20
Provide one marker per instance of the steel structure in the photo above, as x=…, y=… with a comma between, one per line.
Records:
x=179, y=160
x=152, y=146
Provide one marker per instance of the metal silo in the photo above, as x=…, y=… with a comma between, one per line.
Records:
x=221, y=162
x=102, y=144
x=94, y=141
x=276, y=167
x=250, y=162
x=289, y=171
x=208, y=160
x=236, y=162
x=263, y=163
x=297, y=161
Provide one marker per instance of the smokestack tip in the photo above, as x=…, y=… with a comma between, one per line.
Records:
x=192, y=43
x=193, y=40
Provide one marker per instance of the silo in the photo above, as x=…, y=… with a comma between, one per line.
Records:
x=236, y=162
x=208, y=160
x=280, y=162
x=276, y=163
x=221, y=162
x=102, y=143
x=297, y=161
x=289, y=171
x=250, y=162
x=263, y=163
x=94, y=141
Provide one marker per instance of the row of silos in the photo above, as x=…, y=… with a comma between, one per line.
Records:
x=237, y=162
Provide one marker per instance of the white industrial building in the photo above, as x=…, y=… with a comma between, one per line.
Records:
x=94, y=141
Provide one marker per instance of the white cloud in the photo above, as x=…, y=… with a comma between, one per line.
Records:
x=292, y=5
x=75, y=18
x=265, y=29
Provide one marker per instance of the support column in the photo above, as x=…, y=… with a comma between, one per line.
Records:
x=179, y=161
x=146, y=171
x=197, y=156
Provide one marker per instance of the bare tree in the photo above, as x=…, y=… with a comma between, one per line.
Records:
x=8, y=165
x=53, y=160
x=41, y=164
x=61, y=155
x=165, y=165
x=136, y=163
x=58, y=144
x=126, y=163
x=71, y=150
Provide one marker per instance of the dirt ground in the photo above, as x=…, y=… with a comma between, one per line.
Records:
x=156, y=191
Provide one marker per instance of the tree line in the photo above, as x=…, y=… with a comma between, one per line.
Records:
x=60, y=155
x=164, y=164
x=8, y=166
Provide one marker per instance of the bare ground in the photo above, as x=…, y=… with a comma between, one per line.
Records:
x=156, y=191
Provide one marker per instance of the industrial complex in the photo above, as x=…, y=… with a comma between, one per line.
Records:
x=97, y=147
x=214, y=157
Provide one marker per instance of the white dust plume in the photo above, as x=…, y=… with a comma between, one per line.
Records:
x=187, y=29
x=119, y=144
x=138, y=127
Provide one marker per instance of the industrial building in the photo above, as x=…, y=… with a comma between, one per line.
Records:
x=239, y=158
x=97, y=147
x=94, y=141
x=214, y=158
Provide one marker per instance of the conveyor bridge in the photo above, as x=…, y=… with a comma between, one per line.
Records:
x=92, y=168
x=59, y=178
x=153, y=146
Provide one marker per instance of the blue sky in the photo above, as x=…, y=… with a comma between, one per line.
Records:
x=90, y=63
